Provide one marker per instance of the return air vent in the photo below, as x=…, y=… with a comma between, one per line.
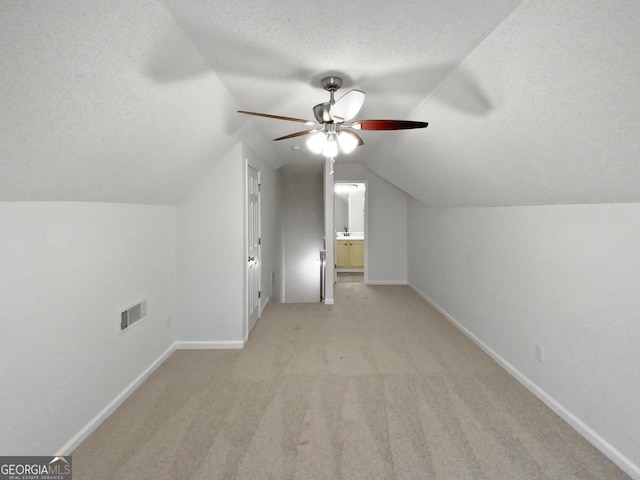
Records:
x=132, y=315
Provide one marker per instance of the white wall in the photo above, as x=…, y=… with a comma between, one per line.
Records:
x=303, y=236
x=271, y=228
x=563, y=277
x=210, y=257
x=67, y=270
x=386, y=224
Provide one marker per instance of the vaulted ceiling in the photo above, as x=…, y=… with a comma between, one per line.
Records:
x=528, y=102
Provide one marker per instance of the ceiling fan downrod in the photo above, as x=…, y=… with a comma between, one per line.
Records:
x=331, y=84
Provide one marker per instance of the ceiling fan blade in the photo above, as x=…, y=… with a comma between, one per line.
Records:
x=278, y=117
x=347, y=106
x=297, y=134
x=387, y=124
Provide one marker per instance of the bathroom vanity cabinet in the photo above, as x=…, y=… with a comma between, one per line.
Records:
x=349, y=253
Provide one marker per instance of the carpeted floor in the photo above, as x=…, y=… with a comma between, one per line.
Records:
x=377, y=386
x=350, y=277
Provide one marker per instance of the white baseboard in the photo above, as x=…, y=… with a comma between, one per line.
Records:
x=578, y=425
x=329, y=301
x=385, y=282
x=79, y=437
x=211, y=345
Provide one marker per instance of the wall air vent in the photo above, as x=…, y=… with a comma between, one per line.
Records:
x=133, y=314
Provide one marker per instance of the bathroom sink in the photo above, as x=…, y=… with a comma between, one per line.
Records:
x=351, y=236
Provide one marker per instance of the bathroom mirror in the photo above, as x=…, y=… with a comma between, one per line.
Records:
x=349, y=208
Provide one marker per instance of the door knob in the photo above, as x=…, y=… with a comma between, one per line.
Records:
x=251, y=259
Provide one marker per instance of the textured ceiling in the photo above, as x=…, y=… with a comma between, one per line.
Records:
x=530, y=102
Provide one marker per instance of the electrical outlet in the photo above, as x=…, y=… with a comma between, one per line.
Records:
x=539, y=353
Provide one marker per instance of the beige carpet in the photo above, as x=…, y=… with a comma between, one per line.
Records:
x=378, y=386
x=350, y=277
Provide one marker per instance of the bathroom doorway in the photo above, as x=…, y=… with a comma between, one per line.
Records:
x=350, y=232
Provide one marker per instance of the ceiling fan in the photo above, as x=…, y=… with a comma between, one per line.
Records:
x=330, y=132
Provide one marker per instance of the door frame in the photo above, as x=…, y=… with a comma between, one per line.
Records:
x=366, y=225
x=245, y=327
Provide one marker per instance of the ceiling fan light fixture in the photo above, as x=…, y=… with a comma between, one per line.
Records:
x=330, y=148
x=316, y=142
x=347, y=141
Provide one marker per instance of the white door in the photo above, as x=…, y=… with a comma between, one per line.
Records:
x=253, y=247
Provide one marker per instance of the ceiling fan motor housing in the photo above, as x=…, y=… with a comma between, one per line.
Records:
x=321, y=112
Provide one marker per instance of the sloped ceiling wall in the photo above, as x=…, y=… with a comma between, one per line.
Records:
x=530, y=102
x=82, y=120
x=559, y=122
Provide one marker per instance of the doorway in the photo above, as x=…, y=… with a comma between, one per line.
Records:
x=350, y=231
